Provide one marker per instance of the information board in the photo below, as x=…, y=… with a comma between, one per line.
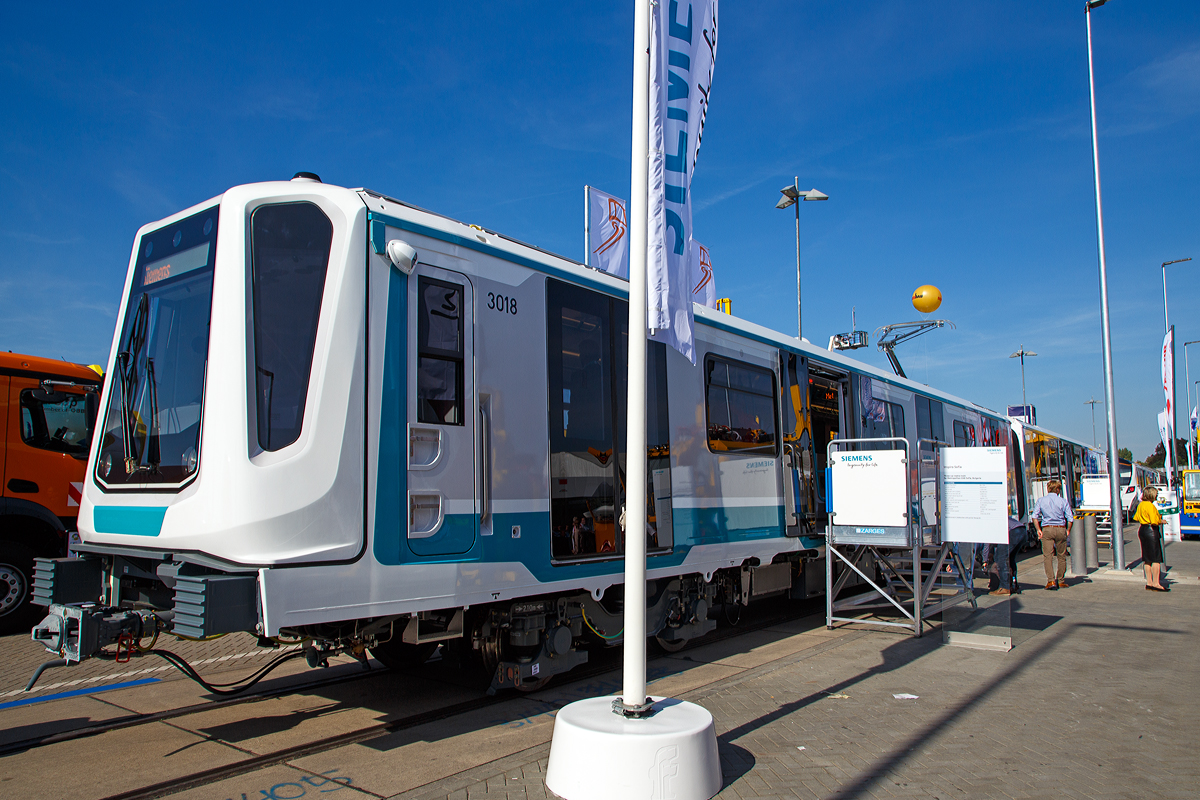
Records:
x=974, y=494
x=869, y=497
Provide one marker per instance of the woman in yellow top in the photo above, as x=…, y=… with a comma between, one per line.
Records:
x=1152, y=555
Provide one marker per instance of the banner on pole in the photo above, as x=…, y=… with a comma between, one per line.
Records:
x=1165, y=433
x=608, y=233
x=704, y=288
x=1168, y=372
x=683, y=48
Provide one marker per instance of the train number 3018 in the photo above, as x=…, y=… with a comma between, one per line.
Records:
x=505, y=305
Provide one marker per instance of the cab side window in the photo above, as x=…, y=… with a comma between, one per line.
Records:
x=54, y=421
x=440, y=353
x=289, y=258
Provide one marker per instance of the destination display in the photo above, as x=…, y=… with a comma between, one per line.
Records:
x=974, y=494
x=182, y=262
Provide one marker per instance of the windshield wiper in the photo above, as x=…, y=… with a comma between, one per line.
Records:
x=127, y=360
x=152, y=452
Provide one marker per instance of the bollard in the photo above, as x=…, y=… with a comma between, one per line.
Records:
x=1078, y=563
x=1089, y=542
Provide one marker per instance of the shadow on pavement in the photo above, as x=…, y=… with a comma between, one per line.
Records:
x=901, y=654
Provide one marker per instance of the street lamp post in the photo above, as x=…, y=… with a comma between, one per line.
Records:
x=1114, y=485
x=1092, y=403
x=791, y=194
x=1187, y=385
x=1021, y=355
x=1174, y=411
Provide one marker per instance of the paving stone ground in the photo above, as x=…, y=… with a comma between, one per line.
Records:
x=20, y=656
x=1099, y=698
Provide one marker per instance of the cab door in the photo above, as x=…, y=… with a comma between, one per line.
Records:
x=442, y=417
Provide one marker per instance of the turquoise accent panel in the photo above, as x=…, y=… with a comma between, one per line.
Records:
x=391, y=521
x=719, y=525
x=533, y=550
x=378, y=237
x=455, y=537
x=129, y=520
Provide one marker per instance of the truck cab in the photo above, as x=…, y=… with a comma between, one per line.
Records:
x=47, y=414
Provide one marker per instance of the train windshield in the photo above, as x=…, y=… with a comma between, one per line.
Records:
x=152, y=423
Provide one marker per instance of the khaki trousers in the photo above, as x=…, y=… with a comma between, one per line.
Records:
x=1054, y=539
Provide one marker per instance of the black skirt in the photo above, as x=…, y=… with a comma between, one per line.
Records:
x=1151, y=551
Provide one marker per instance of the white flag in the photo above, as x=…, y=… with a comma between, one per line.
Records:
x=704, y=288
x=683, y=48
x=1165, y=433
x=608, y=233
x=1168, y=373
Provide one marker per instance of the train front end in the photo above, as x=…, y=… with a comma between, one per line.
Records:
x=231, y=433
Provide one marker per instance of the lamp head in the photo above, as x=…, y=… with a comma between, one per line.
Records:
x=402, y=255
x=785, y=201
x=814, y=194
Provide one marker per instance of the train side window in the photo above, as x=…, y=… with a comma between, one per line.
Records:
x=930, y=424
x=289, y=259
x=584, y=482
x=892, y=423
x=739, y=407
x=1017, y=487
x=964, y=434
x=440, y=353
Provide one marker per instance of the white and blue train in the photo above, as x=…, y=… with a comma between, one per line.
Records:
x=336, y=416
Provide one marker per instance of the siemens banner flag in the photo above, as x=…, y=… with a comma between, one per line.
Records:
x=683, y=49
x=607, y=230
x=704, y=288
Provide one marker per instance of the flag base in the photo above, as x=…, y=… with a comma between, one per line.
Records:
x=597, y=754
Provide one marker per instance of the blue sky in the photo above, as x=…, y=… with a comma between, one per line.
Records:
x=953, y=139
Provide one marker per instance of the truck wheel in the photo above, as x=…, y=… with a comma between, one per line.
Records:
x=16, y=586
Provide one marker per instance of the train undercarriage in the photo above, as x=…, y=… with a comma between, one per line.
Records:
x=117, y=606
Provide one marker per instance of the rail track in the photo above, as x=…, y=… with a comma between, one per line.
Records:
x=602, y=661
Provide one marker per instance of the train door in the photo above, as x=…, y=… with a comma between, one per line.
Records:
x=813, y=403
x=442, y=423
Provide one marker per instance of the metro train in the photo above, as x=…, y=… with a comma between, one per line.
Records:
x=338, y=417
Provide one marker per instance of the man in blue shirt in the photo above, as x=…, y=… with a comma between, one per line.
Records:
x=1052, y=516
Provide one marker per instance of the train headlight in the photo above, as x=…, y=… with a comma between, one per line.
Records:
x=190, y=460
x=105, y=465
x=402, y=254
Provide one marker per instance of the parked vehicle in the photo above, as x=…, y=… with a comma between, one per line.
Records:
x=47, y=412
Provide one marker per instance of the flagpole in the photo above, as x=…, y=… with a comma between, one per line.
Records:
x=633, y=693
x=587, y=227
x=606, y=747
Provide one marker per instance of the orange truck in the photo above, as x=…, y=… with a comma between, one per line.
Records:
x=47, y=415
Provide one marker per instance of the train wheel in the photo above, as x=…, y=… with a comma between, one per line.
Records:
x=396, y=654
x=671, y=646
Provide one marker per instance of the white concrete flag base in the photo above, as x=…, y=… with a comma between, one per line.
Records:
x=599, y=755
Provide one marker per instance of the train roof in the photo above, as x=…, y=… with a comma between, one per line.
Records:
x=1051, y=433
x=481, y=239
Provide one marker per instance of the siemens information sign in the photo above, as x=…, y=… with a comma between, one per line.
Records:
x=868, y=497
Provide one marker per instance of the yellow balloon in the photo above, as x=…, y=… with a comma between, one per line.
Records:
x=926, y=299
